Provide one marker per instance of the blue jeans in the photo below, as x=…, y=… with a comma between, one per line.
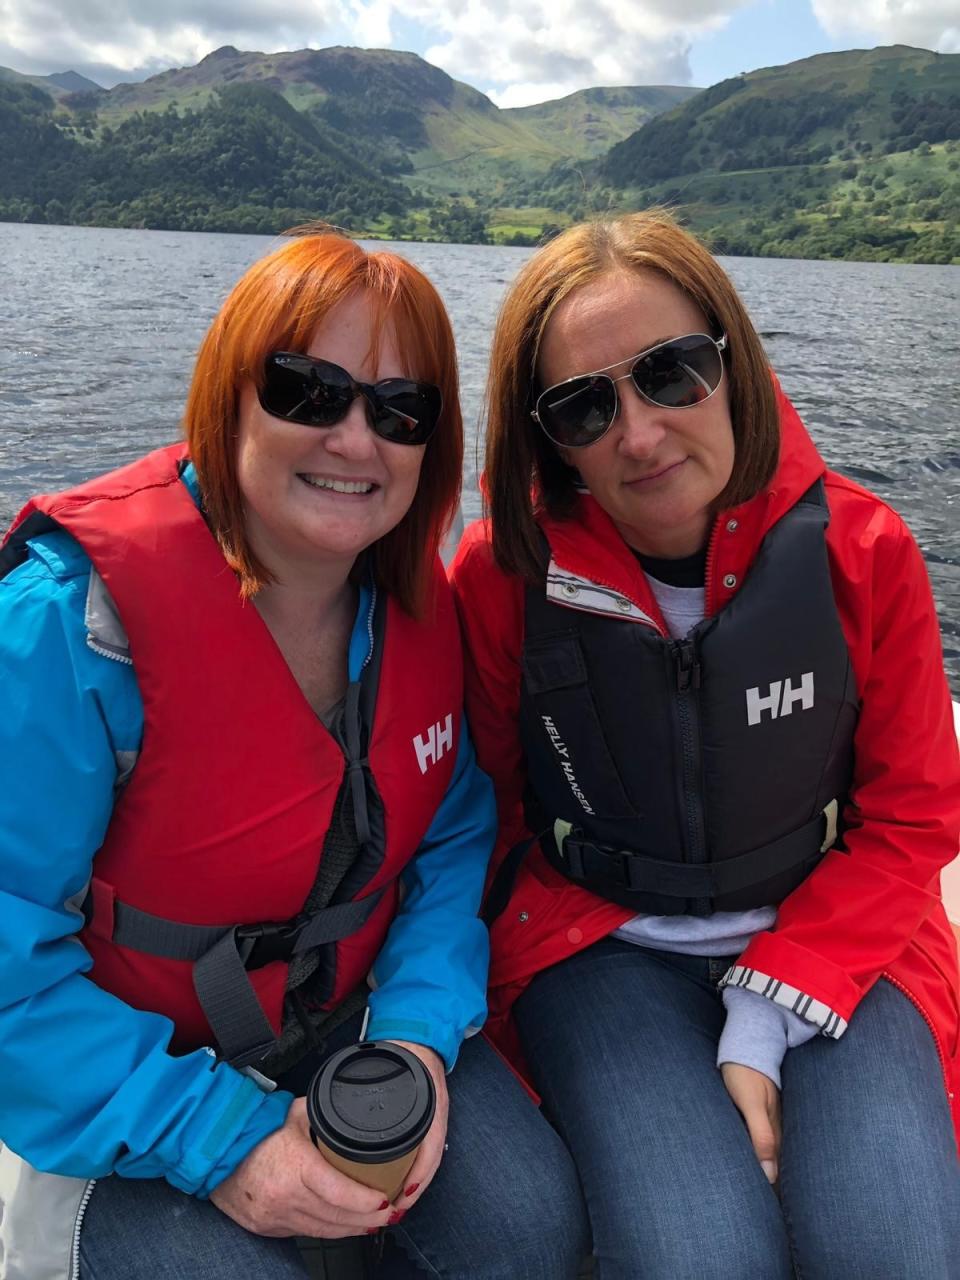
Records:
x=622, y=1046
x=505, y=1203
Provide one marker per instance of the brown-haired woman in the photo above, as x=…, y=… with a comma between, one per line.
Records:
x=237, y=786
x=705, y=675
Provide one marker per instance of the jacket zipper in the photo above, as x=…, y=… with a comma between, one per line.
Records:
x=370, y=613
x=81, y=1210
x=687, y=666
x=104, y=652
x=895, y=982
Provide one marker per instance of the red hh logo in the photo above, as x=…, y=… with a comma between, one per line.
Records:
x=437, y=741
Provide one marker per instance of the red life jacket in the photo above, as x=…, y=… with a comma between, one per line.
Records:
x=224, y=818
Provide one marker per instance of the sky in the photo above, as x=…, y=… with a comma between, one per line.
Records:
x=517, y=51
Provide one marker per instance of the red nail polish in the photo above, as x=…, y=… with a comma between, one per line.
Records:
x=394, y=1218
x=413, y=1187
x=372, y=1231
x=385, y=1205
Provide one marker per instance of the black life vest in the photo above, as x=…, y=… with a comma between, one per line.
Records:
x=702, y=774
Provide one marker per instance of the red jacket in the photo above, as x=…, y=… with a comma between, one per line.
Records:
x=872, y=906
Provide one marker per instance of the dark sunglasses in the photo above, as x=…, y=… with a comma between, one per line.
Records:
x=316, y=393
x=678, y=374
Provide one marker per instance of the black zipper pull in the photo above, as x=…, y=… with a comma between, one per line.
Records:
x=688, y=668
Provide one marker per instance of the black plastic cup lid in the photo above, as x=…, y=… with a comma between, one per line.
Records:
x=371, y=1102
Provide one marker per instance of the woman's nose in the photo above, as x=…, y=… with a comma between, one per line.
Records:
x=642, y=425
x=353, y=436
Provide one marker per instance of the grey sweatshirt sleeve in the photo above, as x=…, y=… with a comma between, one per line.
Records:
x=758, y=1033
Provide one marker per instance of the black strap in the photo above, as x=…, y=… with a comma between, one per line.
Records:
x=582, y=860
x=501, y=887
x=223, y=956
x=14, y=550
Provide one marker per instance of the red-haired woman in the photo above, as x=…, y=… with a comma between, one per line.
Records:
x=237, y=796
x=705, y=675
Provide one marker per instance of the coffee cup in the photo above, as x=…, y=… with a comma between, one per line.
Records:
x=369, y=1107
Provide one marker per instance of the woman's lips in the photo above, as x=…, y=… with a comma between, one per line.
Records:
x=657, y=475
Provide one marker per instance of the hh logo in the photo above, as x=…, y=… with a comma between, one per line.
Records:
x=781, y=698
x=436, y=742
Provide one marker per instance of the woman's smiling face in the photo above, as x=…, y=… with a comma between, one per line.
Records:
x=657, y=472
x=317, y=495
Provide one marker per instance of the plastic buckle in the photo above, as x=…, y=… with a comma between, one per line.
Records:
x=571, y=852
x=270, y=940
x=624, y=862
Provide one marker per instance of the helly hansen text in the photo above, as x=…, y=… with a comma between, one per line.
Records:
x=563, y=752
x=780, y=699
x=437, y=741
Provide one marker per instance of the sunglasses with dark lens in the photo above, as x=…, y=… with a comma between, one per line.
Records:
x=317, y=393
x=678, y=374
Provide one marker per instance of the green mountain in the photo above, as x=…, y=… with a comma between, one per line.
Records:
x=844, y=154
x=414, y=117
x=589, y=122
x=246, y=161
x=851, y=154
x=58, y=85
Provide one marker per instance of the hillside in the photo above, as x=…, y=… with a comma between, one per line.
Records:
x=246, y=161
x=591, y=121
x=852, y=154
x=414, y=117
x=843, y=154
x=57, y=86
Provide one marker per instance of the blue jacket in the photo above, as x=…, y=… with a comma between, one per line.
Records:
x=86, y=1083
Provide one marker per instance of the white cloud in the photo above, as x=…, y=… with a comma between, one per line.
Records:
x=138, y=35
x=927, y=24
x=521, y=50
x=547, y=48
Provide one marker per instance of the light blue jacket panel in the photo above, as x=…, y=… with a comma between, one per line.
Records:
x=87, y=1085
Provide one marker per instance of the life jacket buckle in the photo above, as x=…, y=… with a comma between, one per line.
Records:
x=268, y=940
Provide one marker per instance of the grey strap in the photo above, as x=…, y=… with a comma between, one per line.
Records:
x=230, y=1003
x=333, y=923
x=222, y=955
x=159, y=937
x=356, y=763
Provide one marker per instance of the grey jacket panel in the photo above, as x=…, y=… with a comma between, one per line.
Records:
x=105, y=631
x=38, y=1221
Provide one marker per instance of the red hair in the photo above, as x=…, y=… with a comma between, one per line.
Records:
x=276, y=306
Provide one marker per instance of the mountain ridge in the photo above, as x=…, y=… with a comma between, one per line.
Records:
x=842, y=154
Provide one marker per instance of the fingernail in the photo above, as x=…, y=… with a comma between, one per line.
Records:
x=394, y=1218
x=385, y=1205
x=769, y=1167
x=413, y=1187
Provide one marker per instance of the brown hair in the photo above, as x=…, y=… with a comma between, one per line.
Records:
x=277, y=305
x=523, y=469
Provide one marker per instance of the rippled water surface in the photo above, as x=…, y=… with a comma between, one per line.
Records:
x=99, y=329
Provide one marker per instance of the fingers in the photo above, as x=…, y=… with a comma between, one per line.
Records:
x=354, y=1203
x=766, y=1143
x=424, y=1167
x=757, y=1099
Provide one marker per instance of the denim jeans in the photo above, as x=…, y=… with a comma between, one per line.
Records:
x=622, y=1046
x=505, y=1203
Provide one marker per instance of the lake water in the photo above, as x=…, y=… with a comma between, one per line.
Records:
x=99, y=329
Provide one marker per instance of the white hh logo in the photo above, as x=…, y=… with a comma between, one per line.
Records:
x=779, y=701
x=437, y=741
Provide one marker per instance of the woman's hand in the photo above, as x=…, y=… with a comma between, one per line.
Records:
x=284, y=1187
x=431, y=1149
x=757, y=1099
